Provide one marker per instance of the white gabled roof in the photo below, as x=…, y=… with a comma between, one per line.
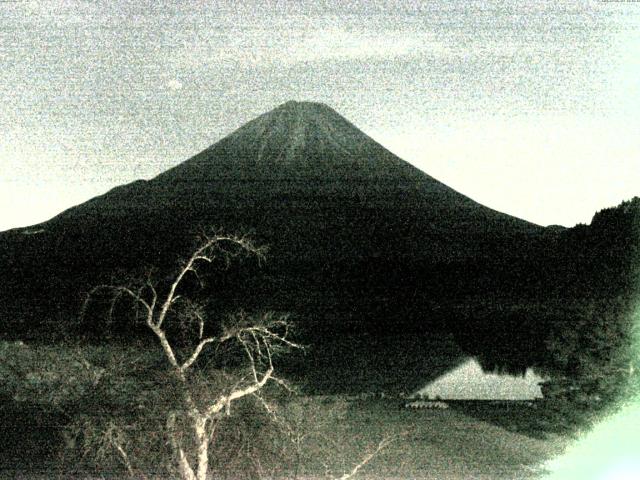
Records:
x=469, y=382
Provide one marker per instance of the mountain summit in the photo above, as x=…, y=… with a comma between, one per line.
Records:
x=296, y=141
x=304, y=172
x=296, y=131
x=308, y=183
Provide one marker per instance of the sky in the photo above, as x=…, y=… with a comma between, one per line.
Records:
x=530, y=108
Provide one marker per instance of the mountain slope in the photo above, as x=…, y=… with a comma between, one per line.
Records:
x=361, y=242
x=304, y=164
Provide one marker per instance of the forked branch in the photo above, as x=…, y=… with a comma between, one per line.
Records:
x=260, y=337
x=383, y=443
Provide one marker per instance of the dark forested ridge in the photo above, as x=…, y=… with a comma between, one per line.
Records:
x=361, y=243
x=575, y=320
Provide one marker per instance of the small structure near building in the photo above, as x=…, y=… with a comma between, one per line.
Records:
x=430, y=404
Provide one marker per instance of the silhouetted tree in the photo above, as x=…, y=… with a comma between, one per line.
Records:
x=192, y=421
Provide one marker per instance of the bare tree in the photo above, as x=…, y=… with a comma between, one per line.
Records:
x=259, y=338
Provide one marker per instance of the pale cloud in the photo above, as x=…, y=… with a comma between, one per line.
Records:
x=266, y=48
x=174, y=84
x=69, y=12
x=341, y=44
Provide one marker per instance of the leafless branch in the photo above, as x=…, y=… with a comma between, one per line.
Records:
x=114, y=437
x=206, y=253
x=383, y=443
x=184, y=466
x=117, y=292
x=260, y=337
x=283, y=384
x=196, y=353
x=223, y=400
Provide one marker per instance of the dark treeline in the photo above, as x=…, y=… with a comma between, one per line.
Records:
x=575, y=321
x=559, y=301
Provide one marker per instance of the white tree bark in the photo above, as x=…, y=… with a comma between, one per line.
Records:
x=256, y=339
x=202, y=438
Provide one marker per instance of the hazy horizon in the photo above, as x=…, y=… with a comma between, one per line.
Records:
x=527, y=109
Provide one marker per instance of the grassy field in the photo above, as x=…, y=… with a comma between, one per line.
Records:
x=428, y=444
x=455, y=443
x=331, y=433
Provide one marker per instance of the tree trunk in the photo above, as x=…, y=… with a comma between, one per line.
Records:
x=186, y=472
x=202, y=439
x=184, y=467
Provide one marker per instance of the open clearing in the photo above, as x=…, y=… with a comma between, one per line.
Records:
x=431, y=444
x=479, y=440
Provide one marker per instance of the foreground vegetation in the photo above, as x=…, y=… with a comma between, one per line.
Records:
x=194, y=394
x=197, y=404
x=314, y=436
x=70, y=409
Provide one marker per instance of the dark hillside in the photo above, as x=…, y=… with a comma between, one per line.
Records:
x=360, y=243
